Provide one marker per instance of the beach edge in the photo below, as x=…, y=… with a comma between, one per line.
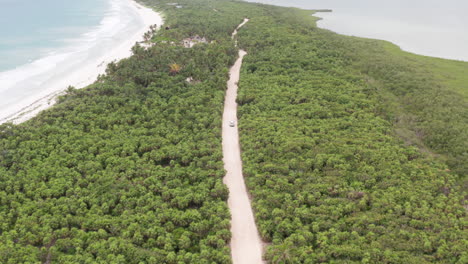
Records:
x=86, y=76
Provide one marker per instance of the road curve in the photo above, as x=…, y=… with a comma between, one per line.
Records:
x=246, y=244
x=234, y=34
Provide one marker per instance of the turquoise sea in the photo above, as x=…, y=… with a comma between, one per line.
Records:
x=47, y=45
x=31, y=29
x=428, y=27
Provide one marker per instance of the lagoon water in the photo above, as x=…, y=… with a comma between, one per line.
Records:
x=427, y=27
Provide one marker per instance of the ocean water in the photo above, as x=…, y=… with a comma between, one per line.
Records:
x=31, y=29
x=47, y=45
x=428, y=27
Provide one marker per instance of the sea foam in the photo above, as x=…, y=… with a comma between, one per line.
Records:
x=33, y=86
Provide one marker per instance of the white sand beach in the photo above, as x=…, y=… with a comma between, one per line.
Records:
x=29, y=89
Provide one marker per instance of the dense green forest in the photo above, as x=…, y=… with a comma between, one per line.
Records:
x=128, y=170
x=330, y=177
x=353, y=150
x=425, y=98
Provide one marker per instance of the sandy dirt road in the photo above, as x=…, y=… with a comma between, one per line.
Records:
x=246, y=244
x=234, y=34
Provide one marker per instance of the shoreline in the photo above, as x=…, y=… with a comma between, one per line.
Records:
x=76, y=74
x=436, y=40
x=409, y=42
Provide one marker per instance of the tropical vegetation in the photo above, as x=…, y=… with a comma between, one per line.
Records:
x=353, y=151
